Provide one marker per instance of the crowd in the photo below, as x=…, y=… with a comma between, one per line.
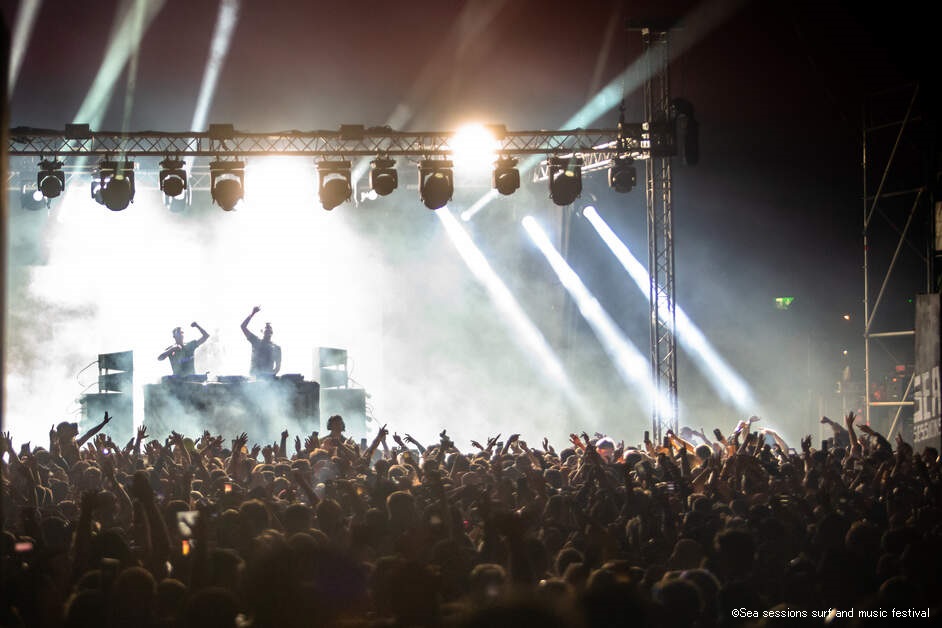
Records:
x=696, y=530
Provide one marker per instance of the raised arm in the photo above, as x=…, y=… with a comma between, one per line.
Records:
x=204, y=334
x=248, y=319
x=93, y=431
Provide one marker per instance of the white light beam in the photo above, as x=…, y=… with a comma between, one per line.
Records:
x=719, y=374
x=633, y=367
x=527, y=335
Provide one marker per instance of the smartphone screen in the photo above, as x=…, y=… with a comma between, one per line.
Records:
x=22, y=547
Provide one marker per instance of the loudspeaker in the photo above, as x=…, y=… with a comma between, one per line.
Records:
x=350, y=403
x=122, y=361
x=121, y=381
x=332, y=367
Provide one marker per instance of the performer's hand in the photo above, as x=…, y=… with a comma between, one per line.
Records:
x=256, y=309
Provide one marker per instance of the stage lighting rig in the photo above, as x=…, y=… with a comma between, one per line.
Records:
x=226, y=183
x=172, y=177
x=335, y=187
x=565, y=179
x=506, y=175
x=622, y=176
x=383, y=176
x=114, y=185
x=51, y=180
x=436, y=182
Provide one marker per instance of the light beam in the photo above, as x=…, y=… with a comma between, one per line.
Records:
x=526, y=333
x=226, y=21
x=630, y=364
x=22, y=31
x=724, y=380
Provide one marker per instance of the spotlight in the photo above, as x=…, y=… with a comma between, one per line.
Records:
x=436, y=182
x=172, y=177
x=383, y=176
x=565, y=179
x=114, y=187
x=506, y=175
x=51, y=180
x=335, y=187
x=226, y=182
x=622, y=176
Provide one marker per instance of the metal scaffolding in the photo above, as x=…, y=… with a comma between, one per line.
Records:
x=347, y=142
x=896, y=202
x=657, y=184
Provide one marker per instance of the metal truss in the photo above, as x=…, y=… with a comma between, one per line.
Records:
x=896, y=209
x=663, y=354
x=347, y=142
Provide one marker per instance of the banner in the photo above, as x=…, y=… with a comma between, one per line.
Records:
x=927, y=417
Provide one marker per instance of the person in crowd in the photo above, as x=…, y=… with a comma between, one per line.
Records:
x=691, y=531
x=181, y=354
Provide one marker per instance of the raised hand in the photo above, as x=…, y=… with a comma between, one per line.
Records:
x=492, y=441
x=256, y=309
x=284, y=434
x=255, y=449
x=477, y=445
x=399, y=440
x=297, y=444
x=141, y=433
x=240, y=442
x=850, y=418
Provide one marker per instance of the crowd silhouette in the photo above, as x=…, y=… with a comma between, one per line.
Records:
x=313, y=530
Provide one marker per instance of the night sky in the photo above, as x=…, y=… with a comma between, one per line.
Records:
x=772, y=209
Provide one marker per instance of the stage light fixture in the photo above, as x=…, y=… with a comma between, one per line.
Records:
x=114, y=185
x=506, y=175
x=383, y=176
x=226, y=183
x=51, y=180
x=335, y=187
x=565, y=179
x=436, y=182
x=622, y=176
x=172, y=177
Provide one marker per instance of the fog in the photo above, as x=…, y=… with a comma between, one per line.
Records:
x=380, y=279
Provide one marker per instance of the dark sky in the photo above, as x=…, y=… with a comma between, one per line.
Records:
x=772, y=209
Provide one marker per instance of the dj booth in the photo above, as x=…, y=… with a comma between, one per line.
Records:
x=230, y=405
